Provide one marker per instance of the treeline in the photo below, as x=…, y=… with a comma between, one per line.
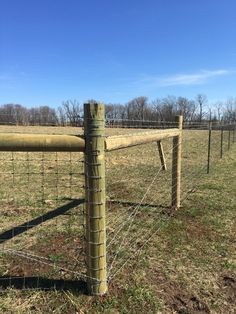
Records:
x=138, y=109
x=70, y=113
x=165, y=109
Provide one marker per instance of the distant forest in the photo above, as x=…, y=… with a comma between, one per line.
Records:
x=138, y=109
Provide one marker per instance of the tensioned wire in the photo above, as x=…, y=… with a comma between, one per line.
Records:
x=143, y=207
x=131, y=217
x=153, y=231
x=45, y=261
x=120, y=202
x=135, y=210
x=137, y=204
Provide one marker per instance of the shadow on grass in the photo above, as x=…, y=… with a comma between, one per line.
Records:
x=40, y=283
x=13, y=232
x=134, y=204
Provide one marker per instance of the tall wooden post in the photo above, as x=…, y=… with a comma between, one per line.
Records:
x=221, y=142
x=176, y=165
x=209, y=148
x=95, y=198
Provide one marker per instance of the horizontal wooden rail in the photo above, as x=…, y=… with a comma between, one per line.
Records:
x=72, y=143
x=41, y=143
x=123, y=141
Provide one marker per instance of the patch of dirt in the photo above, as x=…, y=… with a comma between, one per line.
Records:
x=177, y=298
x=199, y=232
x=186, y=303
x=9, y=210
x=121, y=190
x=196, y=230
x=61, y=250
x=228, y=283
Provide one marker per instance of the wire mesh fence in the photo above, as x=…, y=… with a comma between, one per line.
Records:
x=138, y=199
x=42, y=220
x=139, y=191
x=42, y=199
x=40, y=178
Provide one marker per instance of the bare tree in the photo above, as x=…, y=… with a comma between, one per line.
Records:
x=187, y=108
x=61, y=116
x=14, y=114
x=136, y=108
x=218, y=109
x=201, y=101
x=230, y=110
x=73, y=112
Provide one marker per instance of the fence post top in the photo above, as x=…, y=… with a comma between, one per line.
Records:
x=93, y=104
x=94, y=110
x=179, y=117
x=179, y=120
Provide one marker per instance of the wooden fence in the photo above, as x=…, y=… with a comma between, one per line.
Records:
x=94, y=144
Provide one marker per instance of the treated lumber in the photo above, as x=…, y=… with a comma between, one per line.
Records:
x=123, y=141
x=176, y=165
x=162, y=155
x=95, y=196
x=209, y=148
x=41, y=143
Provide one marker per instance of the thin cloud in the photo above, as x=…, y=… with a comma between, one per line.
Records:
x=192, y=79
x=197, y=78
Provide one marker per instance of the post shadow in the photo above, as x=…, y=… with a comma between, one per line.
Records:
x=41, y=283
x=134, y=204
x=13, y=232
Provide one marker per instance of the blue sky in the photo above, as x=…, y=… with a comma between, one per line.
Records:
x=115, y=50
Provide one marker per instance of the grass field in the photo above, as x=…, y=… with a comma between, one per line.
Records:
x=158, y=261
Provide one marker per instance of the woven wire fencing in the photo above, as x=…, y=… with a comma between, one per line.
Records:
x=138, y=194
x=42, y=220
x=139, y=191
x=42, y=227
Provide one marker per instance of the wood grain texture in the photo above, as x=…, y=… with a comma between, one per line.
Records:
x=95, y=199
x=41, y=143
x=119, y=141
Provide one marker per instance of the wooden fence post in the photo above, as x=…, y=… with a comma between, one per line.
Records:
x=162, y=155
x=95, y=198
x=221, y=141
x=209, y=148
x=176, y=165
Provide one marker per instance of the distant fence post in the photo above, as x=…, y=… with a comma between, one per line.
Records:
x=234, y=134
x=95, y=198
x=209, y=148
x=176, y=165
x=221, y=141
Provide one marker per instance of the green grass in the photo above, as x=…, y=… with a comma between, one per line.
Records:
x=188, y=266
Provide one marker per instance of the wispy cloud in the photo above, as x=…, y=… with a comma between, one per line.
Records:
x=196, y=78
